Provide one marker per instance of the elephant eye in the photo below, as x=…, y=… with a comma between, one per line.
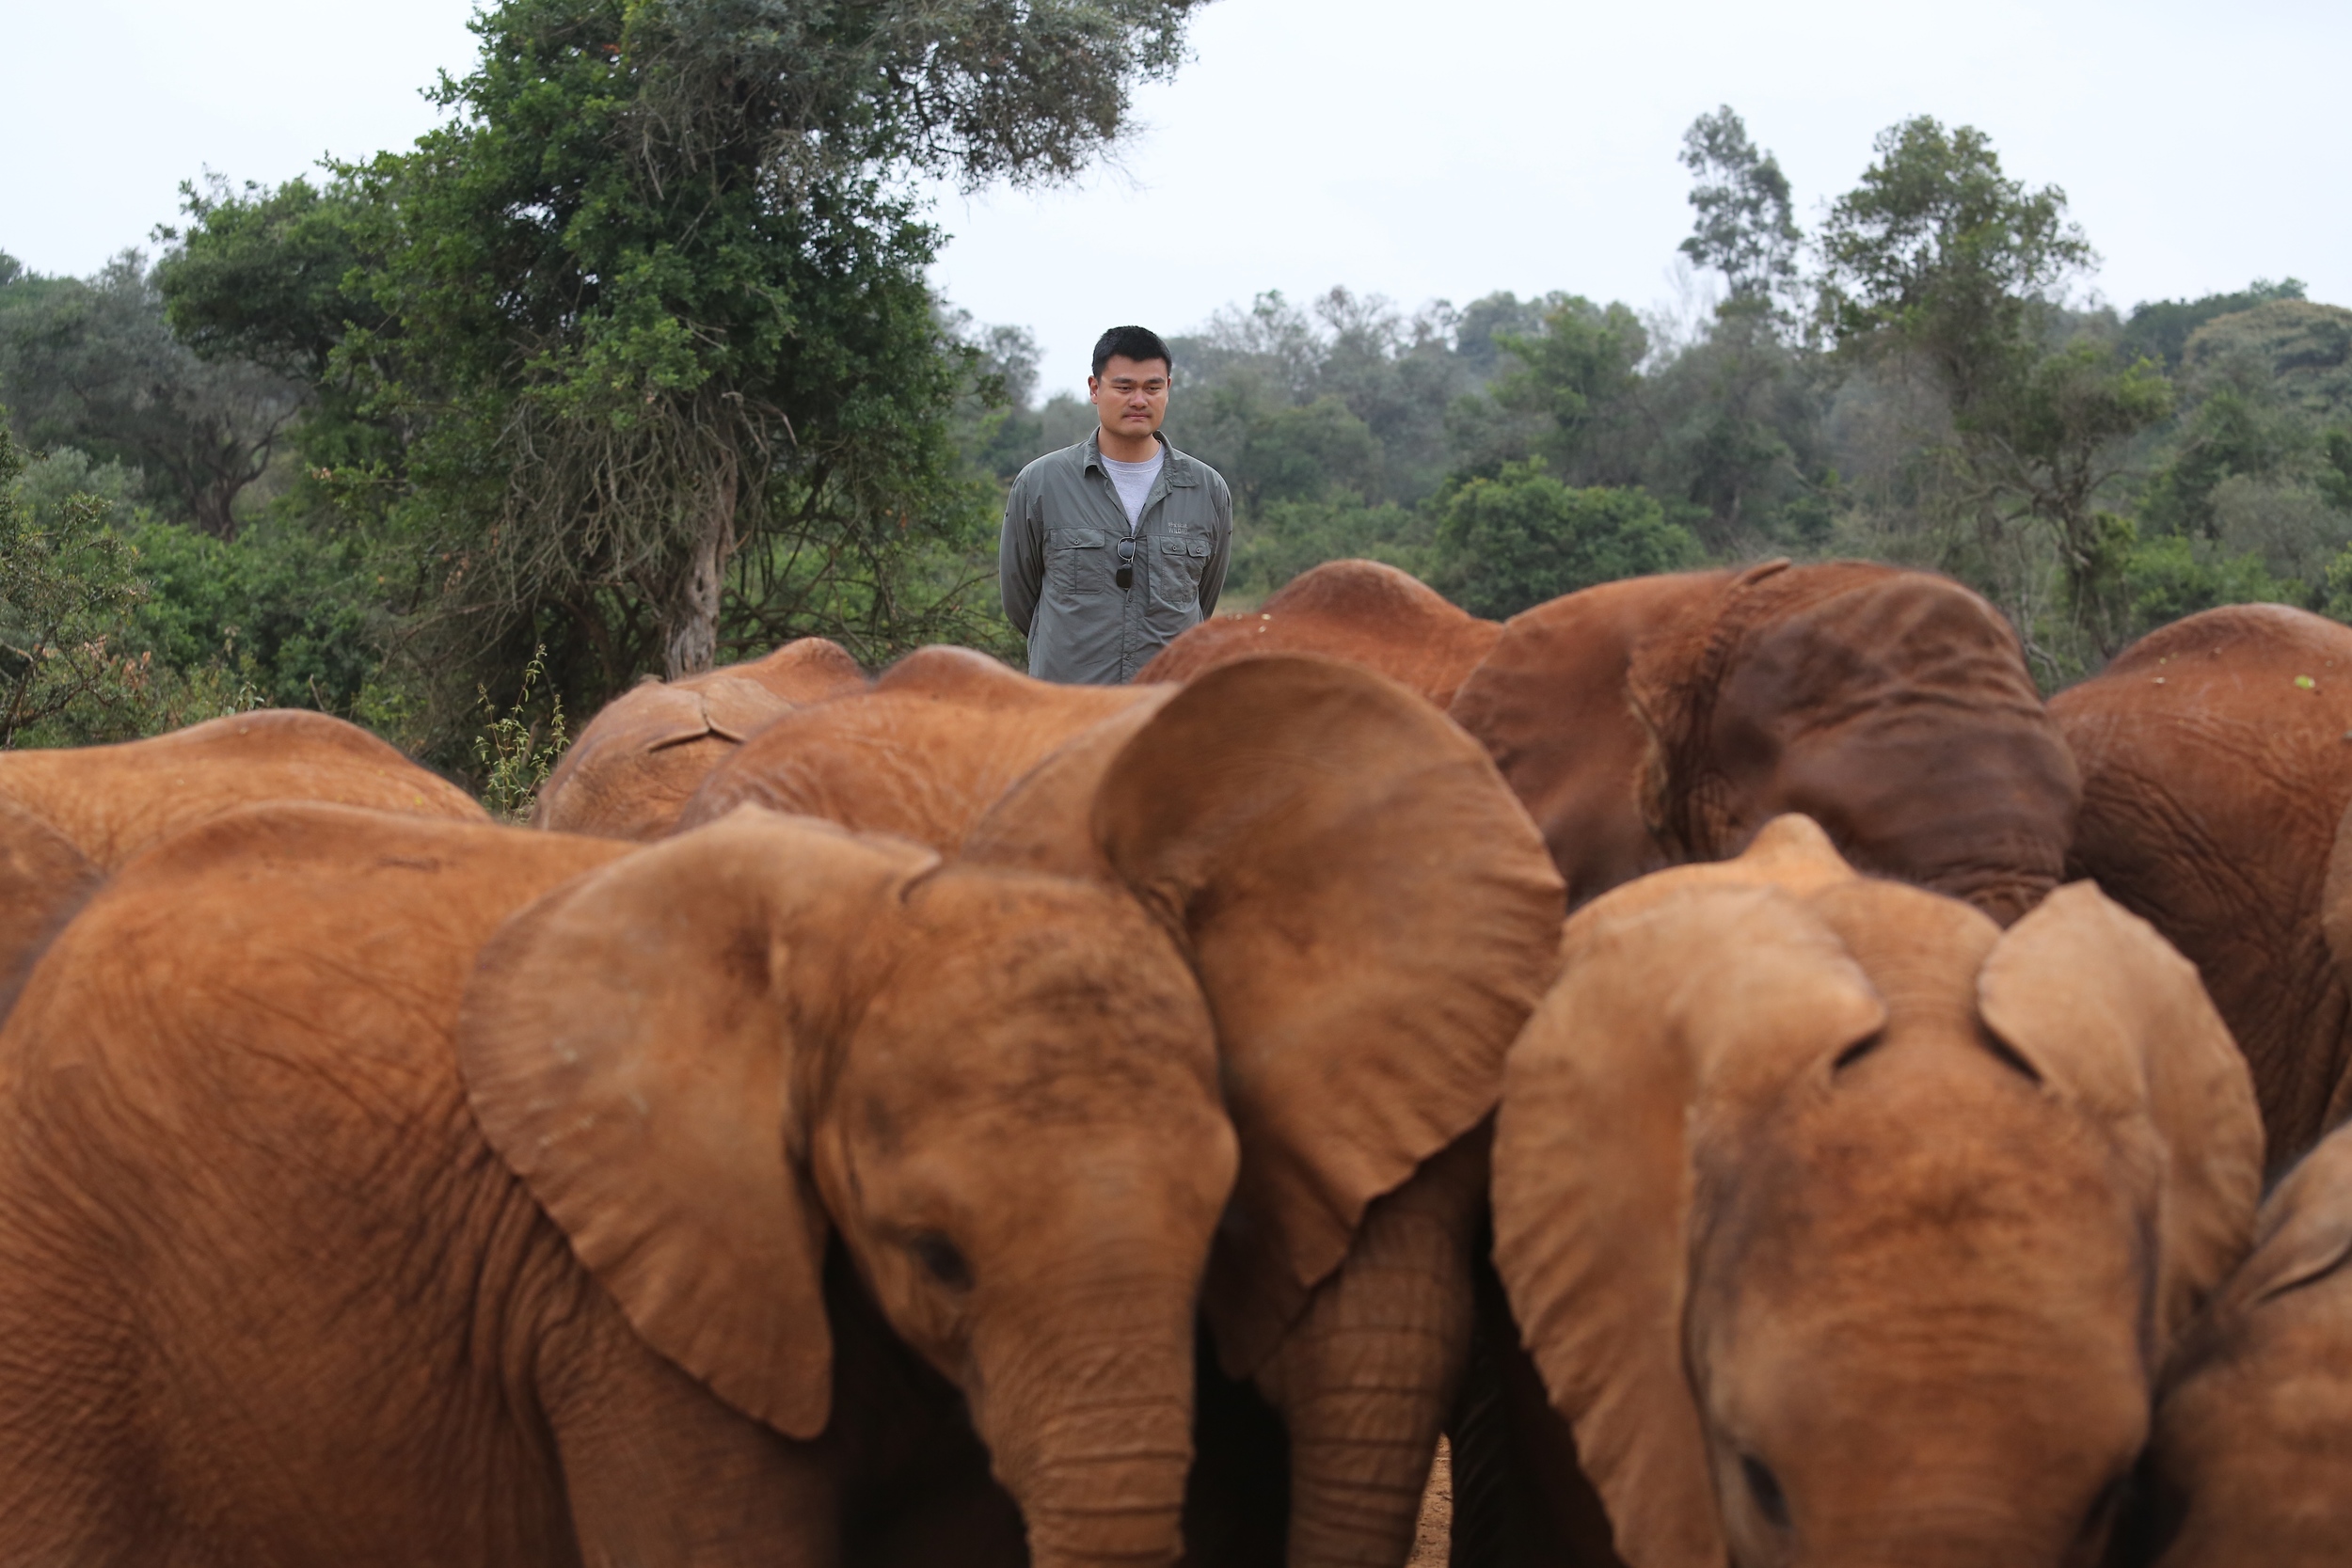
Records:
x=1764, y=1486
x=941, y=1259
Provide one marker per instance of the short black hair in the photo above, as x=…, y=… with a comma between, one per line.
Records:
x=1131, y=342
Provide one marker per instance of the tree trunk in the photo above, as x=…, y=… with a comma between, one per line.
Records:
x=691, y=645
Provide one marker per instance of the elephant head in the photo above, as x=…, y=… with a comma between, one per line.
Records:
x=1370, y=917
x=2254, y=1422
x=630, y=770
x=1662, y=721
x=1846, y=1227
x=997, y=1091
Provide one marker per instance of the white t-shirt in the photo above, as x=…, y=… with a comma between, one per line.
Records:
x=1133, y=482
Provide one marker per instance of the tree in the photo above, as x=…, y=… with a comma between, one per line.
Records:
x=1579, y=378
x=67, y=585
x=1522, y=537
x=1745, y=229
x=1939, y=263
x=645, y=325
x=93, y=364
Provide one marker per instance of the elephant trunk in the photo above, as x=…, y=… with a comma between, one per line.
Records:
x=1091, y=1432
x=1366, y=1378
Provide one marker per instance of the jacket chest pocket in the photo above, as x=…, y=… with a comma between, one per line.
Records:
x=1177, y=561
x=1078, y=560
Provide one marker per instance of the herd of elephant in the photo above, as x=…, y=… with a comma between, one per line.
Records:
x=1718, y=1048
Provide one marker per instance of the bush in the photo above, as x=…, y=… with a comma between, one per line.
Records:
x=1519, y=539
x=1285, y=538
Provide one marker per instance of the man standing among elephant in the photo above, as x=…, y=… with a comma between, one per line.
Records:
x=1114, y=547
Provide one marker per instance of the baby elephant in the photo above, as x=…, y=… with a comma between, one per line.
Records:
x=2254, y=1445
x=1848, y=1230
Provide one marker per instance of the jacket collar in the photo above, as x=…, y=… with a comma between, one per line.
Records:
x=1177, y=474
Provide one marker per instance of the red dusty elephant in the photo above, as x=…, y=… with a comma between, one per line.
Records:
x=1665, y=719
x=1359, y=611
x=70, y=817
x=2253, y=1435
x=1849, y=1228
x=384, y=1191
x=1338, y=1297
x=943, y=732
x=630, y=770
x=2216, y=764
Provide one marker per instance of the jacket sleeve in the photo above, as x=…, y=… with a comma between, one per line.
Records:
x=1212, y=575
x=1020, y=555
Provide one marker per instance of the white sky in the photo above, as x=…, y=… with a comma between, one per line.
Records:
x=1407, y=150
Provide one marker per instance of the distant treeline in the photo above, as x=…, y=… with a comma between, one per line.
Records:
x=368, y=442
x=1919, y=382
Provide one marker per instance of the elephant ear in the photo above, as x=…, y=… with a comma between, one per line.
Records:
x=1593, y=1163
x=2119, y=1024
x=629, y=1044
x=44, y=880
x=1371, y=916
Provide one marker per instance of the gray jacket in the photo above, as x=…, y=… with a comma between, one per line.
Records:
x=1058, y=562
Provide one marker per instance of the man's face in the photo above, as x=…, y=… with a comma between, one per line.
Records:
x=1130, y=396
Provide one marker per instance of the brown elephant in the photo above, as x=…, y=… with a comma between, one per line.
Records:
x=2253, y=1438
x=943, y=731
x=1337, y=1355
x=1849, y=1228
x=470, y=1202
x=2216, y=765
x=1665, y=719
x=71, y=817
x=1359, y=611
x=628, y=774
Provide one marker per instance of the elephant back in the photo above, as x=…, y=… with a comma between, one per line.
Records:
x=112, y=801
x=2216, y=775
x=1362, y=612
x=633, y=769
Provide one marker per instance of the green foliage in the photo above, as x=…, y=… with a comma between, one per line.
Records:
x=1519, y=538
x=1937, y=254
x=1746, y=228
x=67, y=584
x=515, y=754
x=2166, y=580
x=633, y=357
x=2335, y=476
x=1580, y=374
x=1285, y=538
x=91, y=364
x=2159, y=329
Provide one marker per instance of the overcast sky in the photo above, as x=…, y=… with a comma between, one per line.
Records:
x=1415, y=151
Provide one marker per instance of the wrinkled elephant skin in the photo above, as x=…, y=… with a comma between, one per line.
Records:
x=1662, y=721
x=2217, y=762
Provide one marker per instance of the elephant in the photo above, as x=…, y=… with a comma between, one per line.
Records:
x=1847, y=1227
x=1336, y=1361
x=942, y=734
x=71, y=817
x=1664, y=720
x=630, y=770
x=2253, y=1429
x=379, y=1191
x=1363, y=611
x=2215, y=777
